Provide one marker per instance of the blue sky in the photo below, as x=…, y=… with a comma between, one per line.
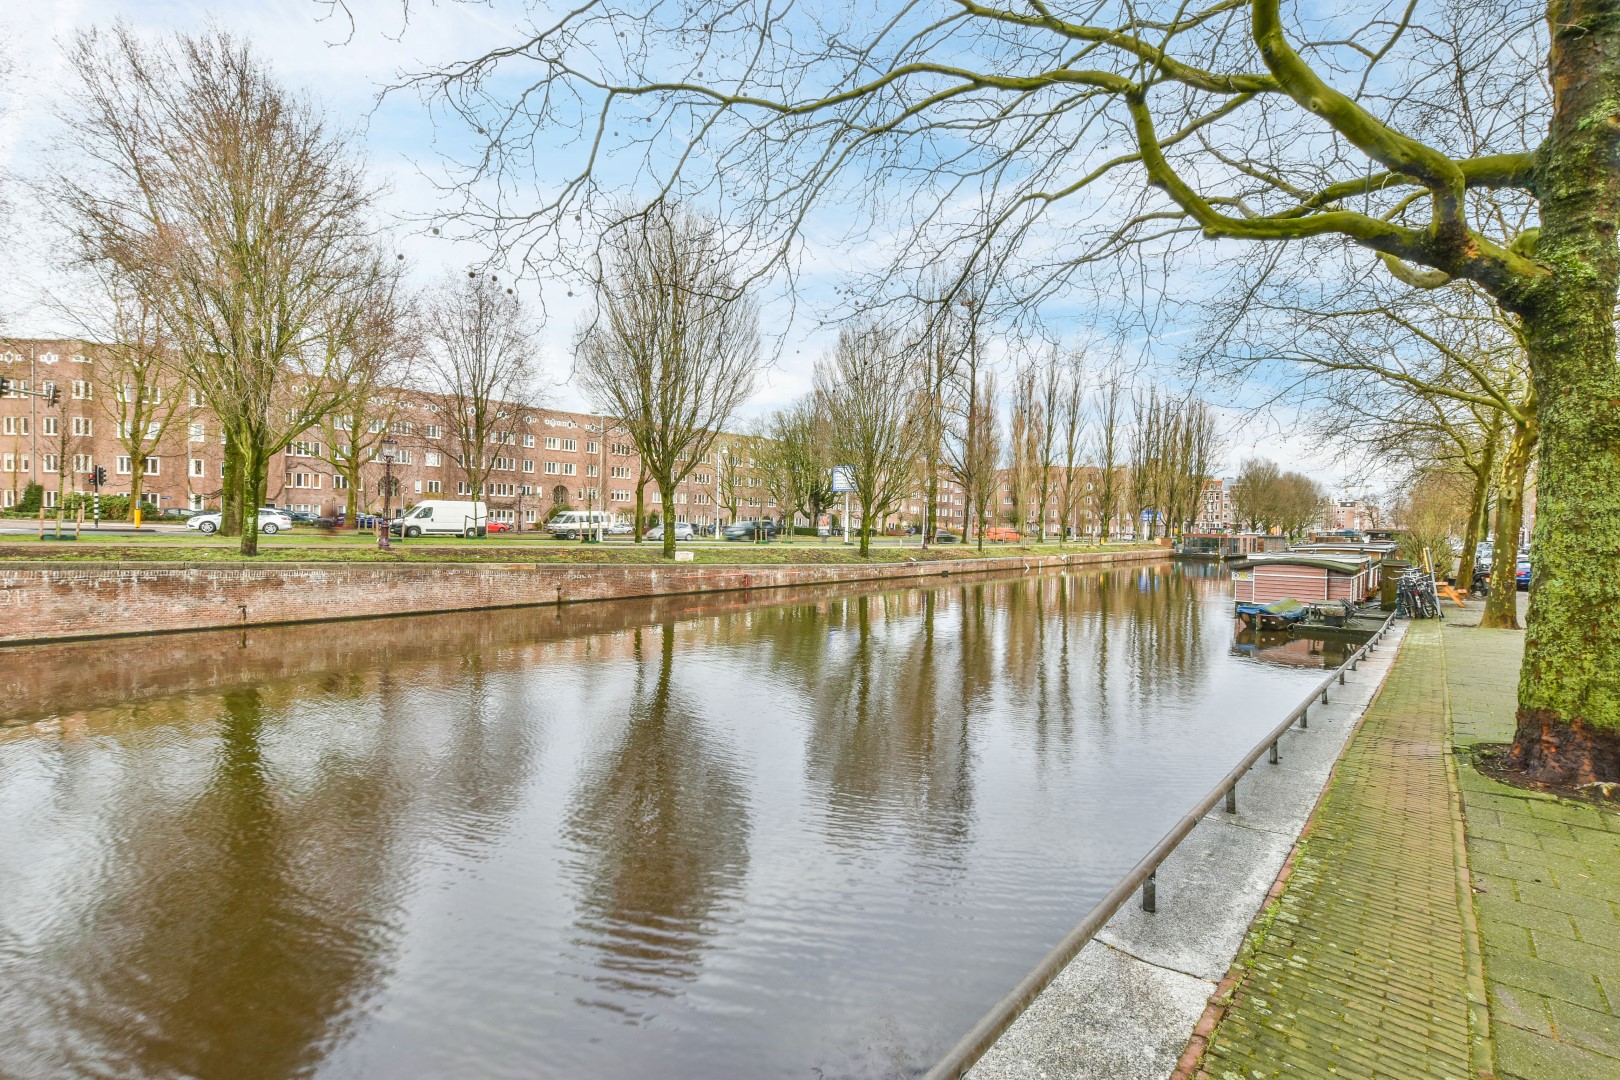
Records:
x=403, y=146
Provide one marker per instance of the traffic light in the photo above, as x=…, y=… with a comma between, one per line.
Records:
x=5, y=386
x=54, y=397
x=98, y=475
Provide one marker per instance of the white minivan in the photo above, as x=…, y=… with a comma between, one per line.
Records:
x=443, y=517
x=567, y=525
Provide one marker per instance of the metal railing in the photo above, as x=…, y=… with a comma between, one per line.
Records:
x=983, y=1035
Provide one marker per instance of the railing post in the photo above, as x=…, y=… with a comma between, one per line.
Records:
x=1274, y=757
x=1305, y=717
x=1341, y=676
x=1231, y=798
x=1150, y=894
x=1324, y=695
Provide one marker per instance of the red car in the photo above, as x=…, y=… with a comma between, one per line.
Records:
x=498, y=526
x=1002, y=534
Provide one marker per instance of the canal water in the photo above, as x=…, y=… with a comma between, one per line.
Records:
x=803, y=834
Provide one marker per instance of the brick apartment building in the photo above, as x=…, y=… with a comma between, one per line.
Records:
x=548, y=458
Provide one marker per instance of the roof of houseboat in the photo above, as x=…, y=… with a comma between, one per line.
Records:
x=1336, y=564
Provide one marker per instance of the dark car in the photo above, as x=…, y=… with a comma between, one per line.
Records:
x=945, y=536
x=745, y=530
x=1522, y=571
x=302, y=517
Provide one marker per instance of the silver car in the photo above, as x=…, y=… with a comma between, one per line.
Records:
x=683, y=531
x=270, y=522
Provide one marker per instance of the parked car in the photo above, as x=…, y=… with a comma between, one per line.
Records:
x=1482, y=554
x=621, y=528
x=498, y=526
x=443, y=517
x=945, y=536
x=683, y=531
x=302, y=517
x=568, y=524
x=1522, y=570
x=747, y=530
x=271, y=521
x=1003, y=534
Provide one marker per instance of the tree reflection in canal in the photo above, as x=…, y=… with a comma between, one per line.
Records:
x=661, y=829
x=755, y=835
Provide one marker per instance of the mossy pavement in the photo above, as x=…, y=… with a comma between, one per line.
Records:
x=1435, y=922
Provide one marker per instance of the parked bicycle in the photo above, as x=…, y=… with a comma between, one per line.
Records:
x=1414, y=595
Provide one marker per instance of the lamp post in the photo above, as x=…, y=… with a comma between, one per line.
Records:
x=388, y=493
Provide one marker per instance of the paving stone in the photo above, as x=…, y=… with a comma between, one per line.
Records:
x=1364, y=972
x=1591, y=1029
x=1523, y=1055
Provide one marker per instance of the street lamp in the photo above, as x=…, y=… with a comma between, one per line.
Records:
x=388, y=493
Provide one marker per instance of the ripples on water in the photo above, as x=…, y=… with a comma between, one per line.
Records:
x=695, y=838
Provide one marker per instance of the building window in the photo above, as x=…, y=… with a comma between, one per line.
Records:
x=430, y=431
x=591, y=448
x=433, y=487
x=82, y=425
x=551, y=467
x=14, y=425
x=50, y=500
x=340, y=482
x=551, y=442
x=196, y=397
x=528, y=465
x=622, y=449
x=568, y=468
x=306, y=480
x=463, y=488
x=528, y=441
x=591, y=469
x=47, y=462
x=124, y=468
x=199, y=467
x=197, y=433
x=152, y=465
x=82, y=463
x=80, y=358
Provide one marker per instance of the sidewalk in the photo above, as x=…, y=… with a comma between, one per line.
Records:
x=1423, y=890
x=1546, y=875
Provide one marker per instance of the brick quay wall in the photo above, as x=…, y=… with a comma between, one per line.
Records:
x=42, y=602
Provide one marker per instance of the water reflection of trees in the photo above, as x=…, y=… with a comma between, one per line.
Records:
x=246, y=884
x=661, y=830
x=888, y=739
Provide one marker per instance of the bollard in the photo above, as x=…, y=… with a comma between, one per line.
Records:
x=1150, y=894
x=1231, y=798
x=1274, y=758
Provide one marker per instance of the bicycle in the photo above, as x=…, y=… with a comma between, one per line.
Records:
x=1414, y=594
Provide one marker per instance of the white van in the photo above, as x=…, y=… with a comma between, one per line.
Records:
x=443, y=517
x=567, y=525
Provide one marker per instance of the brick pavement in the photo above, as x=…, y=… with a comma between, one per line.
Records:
x=1375, y=959
x=1360, y=968
x=1547, y=881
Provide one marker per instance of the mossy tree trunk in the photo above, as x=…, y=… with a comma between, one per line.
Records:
x=1502, y=607
x=1569, y=686
x=230, y=491
x=1479, y=512
x=666, y=499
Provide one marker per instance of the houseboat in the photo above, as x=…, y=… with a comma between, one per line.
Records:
x=1218, y=546
x=1309, y=578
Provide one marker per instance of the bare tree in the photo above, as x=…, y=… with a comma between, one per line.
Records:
x=672, y=345
x=1110, y=416
x=1071, y=405
x=479, y=364
x=795, y=460
x=239, y=215
x=384, y=347
x=868, y=392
